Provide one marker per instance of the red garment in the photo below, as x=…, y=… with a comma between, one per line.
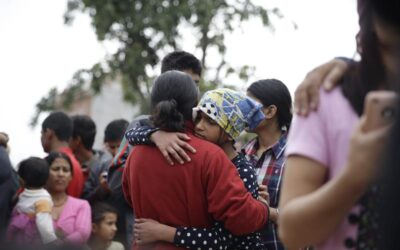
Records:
x=194, y=194
x=75, y=187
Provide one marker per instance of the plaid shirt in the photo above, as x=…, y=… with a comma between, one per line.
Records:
x=269, y=170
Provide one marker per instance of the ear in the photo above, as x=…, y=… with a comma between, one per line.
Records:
x=270, y=111
x=94, y=227
x=49, y=133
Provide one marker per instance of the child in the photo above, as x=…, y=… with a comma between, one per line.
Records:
x=104, y=219
x=31, y=221
x=220, y=117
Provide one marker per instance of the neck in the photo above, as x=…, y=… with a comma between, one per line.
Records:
x=56, y=145
x=83, y=155
x=58, y=197
x=98, y=244
x=229, y=150
x=268, y=135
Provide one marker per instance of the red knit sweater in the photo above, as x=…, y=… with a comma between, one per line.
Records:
x=194, y=194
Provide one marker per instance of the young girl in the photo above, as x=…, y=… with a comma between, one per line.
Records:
x=31, y=222
x=104, y=228
x=220, y=117
x=333, y=160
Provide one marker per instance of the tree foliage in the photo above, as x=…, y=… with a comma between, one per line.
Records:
x=146, y=29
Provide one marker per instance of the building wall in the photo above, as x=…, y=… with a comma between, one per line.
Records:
x=104, y=107
x=108, y=106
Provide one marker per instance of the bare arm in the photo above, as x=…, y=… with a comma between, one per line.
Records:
x=172, y=145
x=312, y=209
x=306, y=200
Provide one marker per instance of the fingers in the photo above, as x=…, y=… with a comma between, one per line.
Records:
x=141, y=220
x=335, y=74
x=187, y=146
x=301, y=99
x=313, y=93
x=172, y=151
x=183, y=136
x=262, y=187
x=307, y=94
x=165, y=153
x=181, y=152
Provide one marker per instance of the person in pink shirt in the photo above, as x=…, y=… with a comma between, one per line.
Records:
x=332, y=159
x=71, y=216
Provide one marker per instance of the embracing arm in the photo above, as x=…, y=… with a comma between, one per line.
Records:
x=306, y=97
x=170, y=144
x=44, y=221
x=140, y=135
x=149, y=231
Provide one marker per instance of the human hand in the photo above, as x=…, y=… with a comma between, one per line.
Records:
x=306, y=96
x=173, y=144
x=149, y=231
x=365, y=152
x=103, y=182
x=263, y=192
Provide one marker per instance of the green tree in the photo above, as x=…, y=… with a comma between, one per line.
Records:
x=144, y=29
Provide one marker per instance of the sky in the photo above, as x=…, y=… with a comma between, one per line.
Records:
x=38, y=52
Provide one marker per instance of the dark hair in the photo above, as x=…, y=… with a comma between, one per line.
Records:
x=173, y=97
x=85, y=128
x=99, y=209
x=388, y=203
x=181, y=60
x=60, y=123
x=34, y=171
x=274, y=92
x=50, y=158
x=115, y=130
x=369, y=72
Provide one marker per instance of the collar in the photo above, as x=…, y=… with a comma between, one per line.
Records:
x=277, y=149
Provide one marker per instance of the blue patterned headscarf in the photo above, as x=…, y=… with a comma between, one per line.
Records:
x=231, y=110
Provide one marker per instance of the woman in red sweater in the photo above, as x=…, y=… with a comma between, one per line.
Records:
x=196, y=193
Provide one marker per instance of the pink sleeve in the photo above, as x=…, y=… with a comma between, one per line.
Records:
x=308, y=137
x=83, y=224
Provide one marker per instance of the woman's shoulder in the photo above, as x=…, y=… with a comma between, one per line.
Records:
x=329, y=97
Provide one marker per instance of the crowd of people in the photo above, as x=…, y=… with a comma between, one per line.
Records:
x=182, y=178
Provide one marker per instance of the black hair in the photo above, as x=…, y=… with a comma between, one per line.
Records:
x=181, y=60
x=85, y=128
x=34, y=171
x=99, y=209
x=387, y=202
x=60, y=123
x=369, y=73
x=173, y=97
x=115, y=130
x=50, y=158
x=274, y=92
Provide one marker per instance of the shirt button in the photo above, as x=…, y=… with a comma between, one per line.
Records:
x=349, y=243
x=353, y=219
